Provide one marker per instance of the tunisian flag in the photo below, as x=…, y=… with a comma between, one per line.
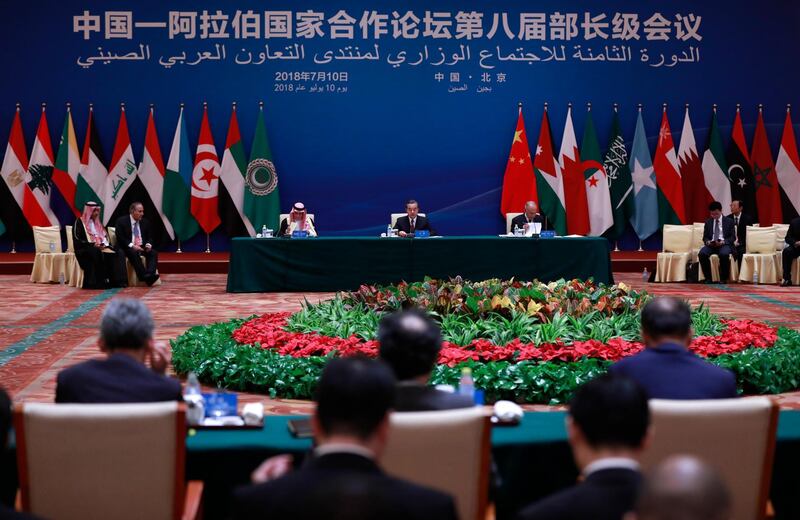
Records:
x=519, y=181
x=205, y=179
x=768, y=197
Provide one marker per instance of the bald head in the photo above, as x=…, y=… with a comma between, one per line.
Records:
x=409, y=342
x=531, y=209
x=684, y=488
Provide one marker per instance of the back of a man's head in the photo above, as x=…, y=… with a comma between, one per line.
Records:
x=126, y=324
x=409, y=342
x=666, y=318
x=353, y=396
x=684, y=488
x=611, y=412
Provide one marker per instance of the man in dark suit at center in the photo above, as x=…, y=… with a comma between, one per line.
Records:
x=740, y=222
x=412, y=221
x=530, y=216
x=719, y=236
x=134, y=243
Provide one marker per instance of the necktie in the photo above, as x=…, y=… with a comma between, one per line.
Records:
x=137, y=236
x=413, y=225
x=736, y=226
x=716, y=230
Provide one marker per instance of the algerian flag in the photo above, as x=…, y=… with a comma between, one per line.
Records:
x=715, y=167
x=596, y=181
x=123, y=169
x=92, y=176
x=620, y=184
x=232, y=172
x=645, y=216
x=261, y=199
x=177, y=182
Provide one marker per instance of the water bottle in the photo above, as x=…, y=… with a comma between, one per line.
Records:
x=61, y=279
x=264, y=231
x=52, y=247
x=193, y=397
x=466, y=385
x=755, y=275
x=645, y=275
x=389, y=230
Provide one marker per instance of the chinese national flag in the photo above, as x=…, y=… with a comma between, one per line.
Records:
x=519, y=182
x=768, y=196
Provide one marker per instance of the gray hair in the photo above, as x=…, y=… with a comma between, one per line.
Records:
x=126, y=323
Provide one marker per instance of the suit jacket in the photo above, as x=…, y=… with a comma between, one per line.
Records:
x=124, y=232
x=728, y=233
x=341, y=486
x=741, y=230
x=793, y=233
x=404, y=224
x=422, y=398
x=606, y=494
x=670, y=371
x=117, y=379
x=285, y=226
x=521, y=220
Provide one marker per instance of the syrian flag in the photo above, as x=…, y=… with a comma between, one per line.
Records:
x=598, y=198
x=645, y=216
x=620, y=183
x=65, y=172
x=696, y=197
x=93, y=173
x=768, y=196
x=176, y=200
x=740, y=171
x=39, y=178
x=668, y=177
x=205, y=179
x=715, y=168
x=519, y=181
x=261, y=195
x=122, y=172
x=787, y=167
x=152, y=171
x=232, y=175
x=549, y=183
x=574, y=181
x=15, y=189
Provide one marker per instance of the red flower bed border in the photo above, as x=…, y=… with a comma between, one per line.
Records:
x=268, y=331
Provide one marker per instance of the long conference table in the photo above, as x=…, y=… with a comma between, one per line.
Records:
x=340, y=264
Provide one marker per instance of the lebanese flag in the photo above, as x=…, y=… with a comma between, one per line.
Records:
x=205, y=179
x=668, y=178
x=152, y=171
x=68, y=164
x=768, y=197
x=14, y=173
x=519, y=180
x=549, y=182
x=39, y=179
x=575, y=201
x=696, y=196
x=122, y=172
x=787, y=167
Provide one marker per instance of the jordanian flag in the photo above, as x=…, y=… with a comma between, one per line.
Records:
x=549, y=183
x=231, y=193
x=39, y=178
x=261, y=198
x=620, y=184
x=65, y=172
x=177, y=184
x=645, y=216
x=596, y=181
x=668, y=178
x=92, y=177
x=715, y=167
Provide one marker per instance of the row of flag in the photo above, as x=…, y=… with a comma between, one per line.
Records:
x=584, y=192
x=186, y=194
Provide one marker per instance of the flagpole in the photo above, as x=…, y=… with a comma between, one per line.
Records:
x=13, y=247
x=616, y=246
x=208, y=243
x=640, y=245
x=179, y=247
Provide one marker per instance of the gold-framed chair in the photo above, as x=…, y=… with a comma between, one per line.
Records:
x=133, y=280
x=676, y=253
x=395, y=216
x=74, y=271
x=50, y=262
x=760, y=255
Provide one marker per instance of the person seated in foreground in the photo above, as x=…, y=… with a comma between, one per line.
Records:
x=412, y=221
x=93, y=250
x=134, y=244
x=298, y=221
x=126, y=337
x=683, y=488
x=608, y=429
x=410, y=342
x=666, y=368
x=719, y=236
x=530, y=216
x=342, y=480
x=791, y=250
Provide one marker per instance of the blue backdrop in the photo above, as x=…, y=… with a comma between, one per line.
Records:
x=356, y=144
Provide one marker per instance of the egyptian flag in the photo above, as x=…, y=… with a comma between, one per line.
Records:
x=12, y=190
x=740, y=171
x=787, y=168
x=205, y=179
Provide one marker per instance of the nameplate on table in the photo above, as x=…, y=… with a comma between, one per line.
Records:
x=422, y=233
x=299, y=234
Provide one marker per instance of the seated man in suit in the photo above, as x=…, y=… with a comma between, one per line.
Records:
x=410, y=343
x=412, y=222
x=683, y=487
x=791, y=250
x=608, y=428
x=126, y=336
x=342, y=479
x=740, y=222
x=134, y=243
x=298, y=221
x=666, y=368
x=718, y=237
x=530, y=216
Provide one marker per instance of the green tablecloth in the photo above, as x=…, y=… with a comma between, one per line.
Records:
x=334, y=264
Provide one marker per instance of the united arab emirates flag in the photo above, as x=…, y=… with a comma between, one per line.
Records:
x=261, y=198
x=620, y=183
x=232, y=185
x=177, y=184
x=671, y=208
x=549, y=182
x=768, y=197
x=715, y=168
x=740, y=172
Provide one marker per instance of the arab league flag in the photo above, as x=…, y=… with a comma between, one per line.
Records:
x=695, y=196
x=67, y=168
x=620, y=184
x=549, y=183
x=668, y=177
x=740, y=171
x=92, y=177
x=768, y=197
x=645, y=216
x=596, y=181
x=205, y=179
x=788, y=169
x=519, y=182
x=715, y=168
x=574, y=181
x=231, y=192
x=261, y=199
x=176, y=200
x=151, y=171
x=39, y=178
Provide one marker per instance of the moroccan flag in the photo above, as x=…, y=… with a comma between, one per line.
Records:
x=668, y=178
x=122, y=172
x=205, y=179
x=787, y=167
x=13, y=171
x=596, y=181
x=66, y=170
x=262, y=203
x=715, y=168
x=231, y=192
x=177, y=184
x=574, y=182
x=152, y=171
x=696, y=197
x=620, y=184
x=645, y=215
x=549, y=182
x=519, y=181
x=92, y=176
x=740, y=171
x=768, y=196
x=39, y=178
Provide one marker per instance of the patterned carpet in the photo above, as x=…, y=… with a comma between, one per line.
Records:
x=44, y=328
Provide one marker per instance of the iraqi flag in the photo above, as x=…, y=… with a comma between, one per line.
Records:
x=152, y=171
x=13, y=189
x=122, y=172
x=668, y=177
x=549, y=182
x=787, y=167
x=696, y=197
x=205, y=179
x=574, y=181
x=715, y=168
x=40, y=178
x=232, y=175
x=768, y=196
x=740, y=171
x=519, y=181
x=91, y=183
x=65, y=172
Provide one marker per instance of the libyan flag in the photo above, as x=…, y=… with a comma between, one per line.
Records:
x=261, y=198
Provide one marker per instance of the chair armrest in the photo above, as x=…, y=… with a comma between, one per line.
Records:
x=193, y=500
